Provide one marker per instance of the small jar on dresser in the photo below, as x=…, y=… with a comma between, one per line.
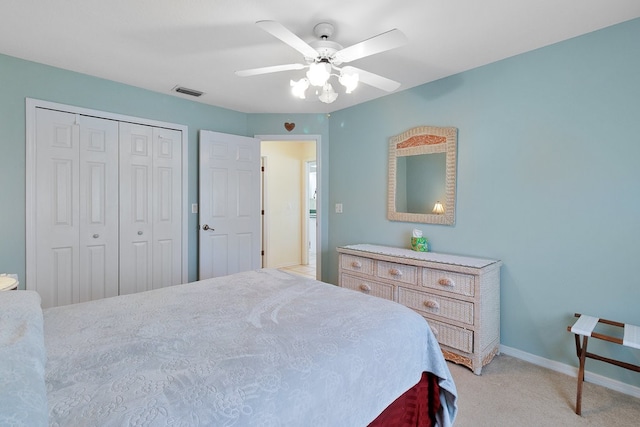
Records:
x=458, y=295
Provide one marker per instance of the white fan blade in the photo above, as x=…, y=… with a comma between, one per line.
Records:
x=372, y=79
x=279, y=31
x=267, y=70
x=380, y=43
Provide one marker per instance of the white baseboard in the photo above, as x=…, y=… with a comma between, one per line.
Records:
x=572, y=371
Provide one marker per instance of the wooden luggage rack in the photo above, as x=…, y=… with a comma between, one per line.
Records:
x=584, y=327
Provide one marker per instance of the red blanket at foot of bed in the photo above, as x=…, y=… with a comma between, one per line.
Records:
x=417, y=407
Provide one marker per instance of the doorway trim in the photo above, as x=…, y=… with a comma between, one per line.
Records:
x=307, y=209
x=31, y=105
x=318, y=141
x=264, y=231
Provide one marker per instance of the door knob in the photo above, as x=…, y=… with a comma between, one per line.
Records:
x=206, y=227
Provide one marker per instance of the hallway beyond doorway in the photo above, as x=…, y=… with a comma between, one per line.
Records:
x=308, y=270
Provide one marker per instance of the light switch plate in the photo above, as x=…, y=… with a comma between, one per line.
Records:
x=338, y=207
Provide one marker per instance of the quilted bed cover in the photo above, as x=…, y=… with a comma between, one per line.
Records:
x=260, y=348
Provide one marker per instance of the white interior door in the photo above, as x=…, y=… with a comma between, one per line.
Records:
x=229, y=198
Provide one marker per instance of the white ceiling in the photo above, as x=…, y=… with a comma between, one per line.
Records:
x=199, y=44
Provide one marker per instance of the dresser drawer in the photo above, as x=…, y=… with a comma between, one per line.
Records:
x=369, y=287
x=398, y=272
x=452, y=336
x=448, y=308
x=462, y=284
x=357, y=264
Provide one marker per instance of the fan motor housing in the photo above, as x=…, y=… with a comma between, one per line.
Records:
x=323, y=30
x=325, y=48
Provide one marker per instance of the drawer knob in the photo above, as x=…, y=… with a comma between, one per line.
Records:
x=445, y=281
x=395, y=272
x=356, y=264
x=364, y=287
x=432, y=304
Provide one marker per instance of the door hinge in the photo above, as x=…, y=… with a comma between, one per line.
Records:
x=262, y=168
x=262, y=253
x=262, y=212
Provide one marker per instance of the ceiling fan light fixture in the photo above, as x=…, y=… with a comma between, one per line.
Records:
x=299, y=87
x=328, y=95
x=319, y=73
x=349, y=80
x=323, y=59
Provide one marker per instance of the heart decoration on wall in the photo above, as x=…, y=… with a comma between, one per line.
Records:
x=289, y=126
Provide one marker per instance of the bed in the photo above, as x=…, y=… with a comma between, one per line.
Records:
x=256, y=348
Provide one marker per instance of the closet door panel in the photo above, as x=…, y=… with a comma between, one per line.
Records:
x=167, y=218
x=77, y=205
x=164, y=268
x=98, y=208
x=136, y=205
x=140, y=268
x=57, y=226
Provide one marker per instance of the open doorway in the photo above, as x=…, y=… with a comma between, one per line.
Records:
x=291, y=204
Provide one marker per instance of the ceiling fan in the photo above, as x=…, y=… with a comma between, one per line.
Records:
x=323, y=58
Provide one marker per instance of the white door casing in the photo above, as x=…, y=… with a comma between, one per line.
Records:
x=264, y=214
x=229, y=201
x=319, y=199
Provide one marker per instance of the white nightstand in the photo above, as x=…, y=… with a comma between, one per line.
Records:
x=8, y=282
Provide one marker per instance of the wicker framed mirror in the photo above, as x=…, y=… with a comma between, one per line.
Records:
x=422, y=175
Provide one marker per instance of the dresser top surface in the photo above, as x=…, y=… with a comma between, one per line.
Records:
x=464, y=261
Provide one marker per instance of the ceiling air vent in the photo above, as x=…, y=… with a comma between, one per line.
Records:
x=186, y=91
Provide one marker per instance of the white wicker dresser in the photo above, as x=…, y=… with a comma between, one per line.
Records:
x=459, y=296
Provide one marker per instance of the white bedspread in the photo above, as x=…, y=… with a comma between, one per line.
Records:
x=23, y=399
x=261, y=348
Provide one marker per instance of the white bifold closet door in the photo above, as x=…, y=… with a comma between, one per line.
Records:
x=150, y=195
x=76, y=208
x=108, y=200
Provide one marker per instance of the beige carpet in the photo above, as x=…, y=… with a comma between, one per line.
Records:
x=512, y=392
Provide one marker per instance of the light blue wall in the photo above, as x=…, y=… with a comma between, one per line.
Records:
x=548, y=182
x=22, y=79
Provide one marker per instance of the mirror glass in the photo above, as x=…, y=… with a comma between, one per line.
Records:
x=422, y=171
x=420, y=182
